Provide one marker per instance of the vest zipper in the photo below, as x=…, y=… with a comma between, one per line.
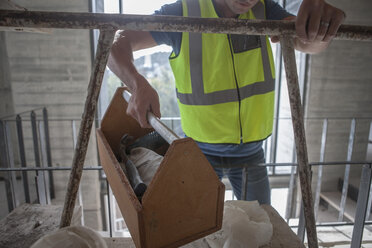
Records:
x=237, y=86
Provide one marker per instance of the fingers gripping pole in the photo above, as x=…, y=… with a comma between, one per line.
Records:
x=300, y=139
x=103, y=49
x=154, y=121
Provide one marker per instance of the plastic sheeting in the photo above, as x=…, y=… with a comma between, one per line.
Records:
x=245, y=225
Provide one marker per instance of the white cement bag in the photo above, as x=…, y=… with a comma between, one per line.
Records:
x=245, y=225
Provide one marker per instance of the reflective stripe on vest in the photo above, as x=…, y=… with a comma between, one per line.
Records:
x=198, y=97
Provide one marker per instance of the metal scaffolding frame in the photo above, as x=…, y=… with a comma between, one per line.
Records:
x=108, y=24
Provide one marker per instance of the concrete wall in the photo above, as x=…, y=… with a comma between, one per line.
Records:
x=340, y=86
x=53, y=70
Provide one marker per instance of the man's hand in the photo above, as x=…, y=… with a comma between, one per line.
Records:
x=143, y=99
x=318, y=21
x=316, y=25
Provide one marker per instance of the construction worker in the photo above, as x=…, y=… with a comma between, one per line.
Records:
x=224, y=83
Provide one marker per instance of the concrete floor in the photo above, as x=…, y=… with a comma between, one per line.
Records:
x=340, y=237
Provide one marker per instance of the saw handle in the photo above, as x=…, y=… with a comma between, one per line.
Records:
x=156, y=123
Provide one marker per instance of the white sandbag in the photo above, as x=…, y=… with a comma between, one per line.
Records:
x=146, y=161
x=71, y=237
x=245, y=225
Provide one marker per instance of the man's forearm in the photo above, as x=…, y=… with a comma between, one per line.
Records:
x=144, y=97
x=121, y=61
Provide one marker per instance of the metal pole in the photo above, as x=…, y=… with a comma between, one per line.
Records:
x=300, y=138
x=369, y=158
x=103, y=49
x=361, y=208
x=292, y=181
x=301, y=225
x=345, y=186
x=35, y=139
x=39, y=178
x=76, y=20
x=48, y=152
x=320, y=168
x=5, y=163
x=44, y=159
x=22, y=155
x=109, y=206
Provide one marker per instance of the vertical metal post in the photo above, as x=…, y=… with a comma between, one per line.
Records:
x=48, y=152
x=361, y=208
x=291, y=187
x=5, y=163
x=80, y=197
x=320, y=167
x=301, y=224
x=35, y=140
x=278, y=83
x=13, y=178
x=109, y=206
x=104, y=45
x=347, y=171
x=39, y=179
x=300, y=138
x=369, y=158
x=22, y=155
x=44, y=164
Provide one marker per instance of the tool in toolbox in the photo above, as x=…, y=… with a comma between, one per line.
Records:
x=154, y=121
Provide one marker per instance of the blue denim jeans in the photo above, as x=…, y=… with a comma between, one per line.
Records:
x=244, y=175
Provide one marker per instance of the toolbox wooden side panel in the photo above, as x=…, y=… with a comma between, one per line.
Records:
x=129, y=205
x=116, y=122
x=184, y=201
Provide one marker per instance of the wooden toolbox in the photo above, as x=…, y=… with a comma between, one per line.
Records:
x=184, y=200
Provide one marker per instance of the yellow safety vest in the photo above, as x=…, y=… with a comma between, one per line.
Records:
x=225, y=83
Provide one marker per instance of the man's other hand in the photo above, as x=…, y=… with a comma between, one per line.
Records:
x=318, y=21
x=143, y=99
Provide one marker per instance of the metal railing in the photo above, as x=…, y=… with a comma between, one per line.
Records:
x=41, y=151
x=43, y=168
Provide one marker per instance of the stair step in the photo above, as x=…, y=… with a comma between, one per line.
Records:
x=334, y=199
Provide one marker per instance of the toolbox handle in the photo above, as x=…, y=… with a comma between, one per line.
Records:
x=156, y=123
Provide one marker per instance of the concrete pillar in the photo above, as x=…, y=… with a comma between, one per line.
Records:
x=6, y=98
